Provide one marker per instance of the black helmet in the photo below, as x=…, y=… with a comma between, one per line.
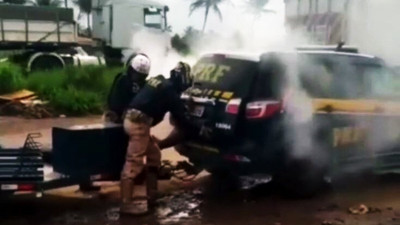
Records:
x=181, y=77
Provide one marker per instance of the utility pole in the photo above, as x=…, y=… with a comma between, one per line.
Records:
x=345, y=21
x=66, y=3
x=298, y=8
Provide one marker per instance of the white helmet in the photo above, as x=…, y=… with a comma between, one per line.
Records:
x=141, y=64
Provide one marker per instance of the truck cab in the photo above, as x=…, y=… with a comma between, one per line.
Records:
x=115, y=22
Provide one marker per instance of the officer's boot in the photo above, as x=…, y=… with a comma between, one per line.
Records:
x=126, y=186
x=152, y=185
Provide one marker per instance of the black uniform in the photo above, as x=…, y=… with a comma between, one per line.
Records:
x=123, y=90
x=156, y=98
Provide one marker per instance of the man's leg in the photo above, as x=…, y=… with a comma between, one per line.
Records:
x=139, y=136
x=153, y=164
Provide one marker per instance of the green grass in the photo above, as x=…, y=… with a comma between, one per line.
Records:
x=72, y=91
x=77, y=102
x=11, y=78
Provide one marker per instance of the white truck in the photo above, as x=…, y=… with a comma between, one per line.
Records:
x=371, y=25
x=46, y=37
x=41, y=37
x=115, y=23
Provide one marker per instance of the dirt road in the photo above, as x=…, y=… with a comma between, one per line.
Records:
x=222, y=202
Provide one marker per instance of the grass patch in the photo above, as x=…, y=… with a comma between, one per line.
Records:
x=11, y=78
x=73, y=91
x=76, y=102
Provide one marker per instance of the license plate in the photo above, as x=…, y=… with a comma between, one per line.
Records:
x=8, y=187
x=197, y=111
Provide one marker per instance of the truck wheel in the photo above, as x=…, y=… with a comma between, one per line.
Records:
x=45, y=61
x=301, y=179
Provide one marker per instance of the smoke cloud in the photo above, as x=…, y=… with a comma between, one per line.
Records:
x=374, y=28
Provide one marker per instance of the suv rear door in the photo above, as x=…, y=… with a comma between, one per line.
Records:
x=222, y=86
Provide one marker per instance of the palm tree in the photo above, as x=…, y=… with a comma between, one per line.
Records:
x=257, y=8
x=207, y=4
x=86, y=7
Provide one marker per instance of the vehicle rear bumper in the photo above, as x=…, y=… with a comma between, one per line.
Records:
x=240, y=158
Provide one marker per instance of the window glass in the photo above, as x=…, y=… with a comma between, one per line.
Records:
x=383, y=82
x=333, y=76
x=153, y=18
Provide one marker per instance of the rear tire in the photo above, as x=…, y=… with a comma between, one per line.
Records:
x=46, y=62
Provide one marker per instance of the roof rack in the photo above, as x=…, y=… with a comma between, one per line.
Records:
x=340, y=47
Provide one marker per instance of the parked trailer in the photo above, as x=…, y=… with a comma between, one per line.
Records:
x=80, y=154
x=45, y=37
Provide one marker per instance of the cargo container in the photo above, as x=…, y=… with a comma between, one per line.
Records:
x=41, y=37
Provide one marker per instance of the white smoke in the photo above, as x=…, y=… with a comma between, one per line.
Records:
x=157, y=45
x=298, y=113
x=374, y=28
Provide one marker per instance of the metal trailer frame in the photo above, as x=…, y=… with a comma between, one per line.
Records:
x=182, y=171
x=39, y=186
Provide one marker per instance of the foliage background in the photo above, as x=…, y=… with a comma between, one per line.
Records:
x=73, y=91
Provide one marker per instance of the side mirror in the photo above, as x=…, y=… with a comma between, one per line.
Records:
x=166, y=8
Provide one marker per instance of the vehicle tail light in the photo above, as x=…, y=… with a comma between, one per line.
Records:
x=233, y=106
x=26, y=187
x=262, y=109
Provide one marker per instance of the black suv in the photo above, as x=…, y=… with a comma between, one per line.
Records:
x=241, y=102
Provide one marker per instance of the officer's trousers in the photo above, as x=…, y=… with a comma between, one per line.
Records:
x=142, y=151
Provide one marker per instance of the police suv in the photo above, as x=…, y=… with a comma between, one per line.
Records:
x=298, y=116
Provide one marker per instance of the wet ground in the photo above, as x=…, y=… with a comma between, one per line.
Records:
x=203, y=201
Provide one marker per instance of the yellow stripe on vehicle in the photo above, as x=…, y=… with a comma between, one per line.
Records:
x=227, y=95
x=196, y=91
x=347, y=136
x=217, y=93
x=356, y=106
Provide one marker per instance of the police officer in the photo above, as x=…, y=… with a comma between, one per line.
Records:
x=126, y=86
x=182, y=83
x=147, y=109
